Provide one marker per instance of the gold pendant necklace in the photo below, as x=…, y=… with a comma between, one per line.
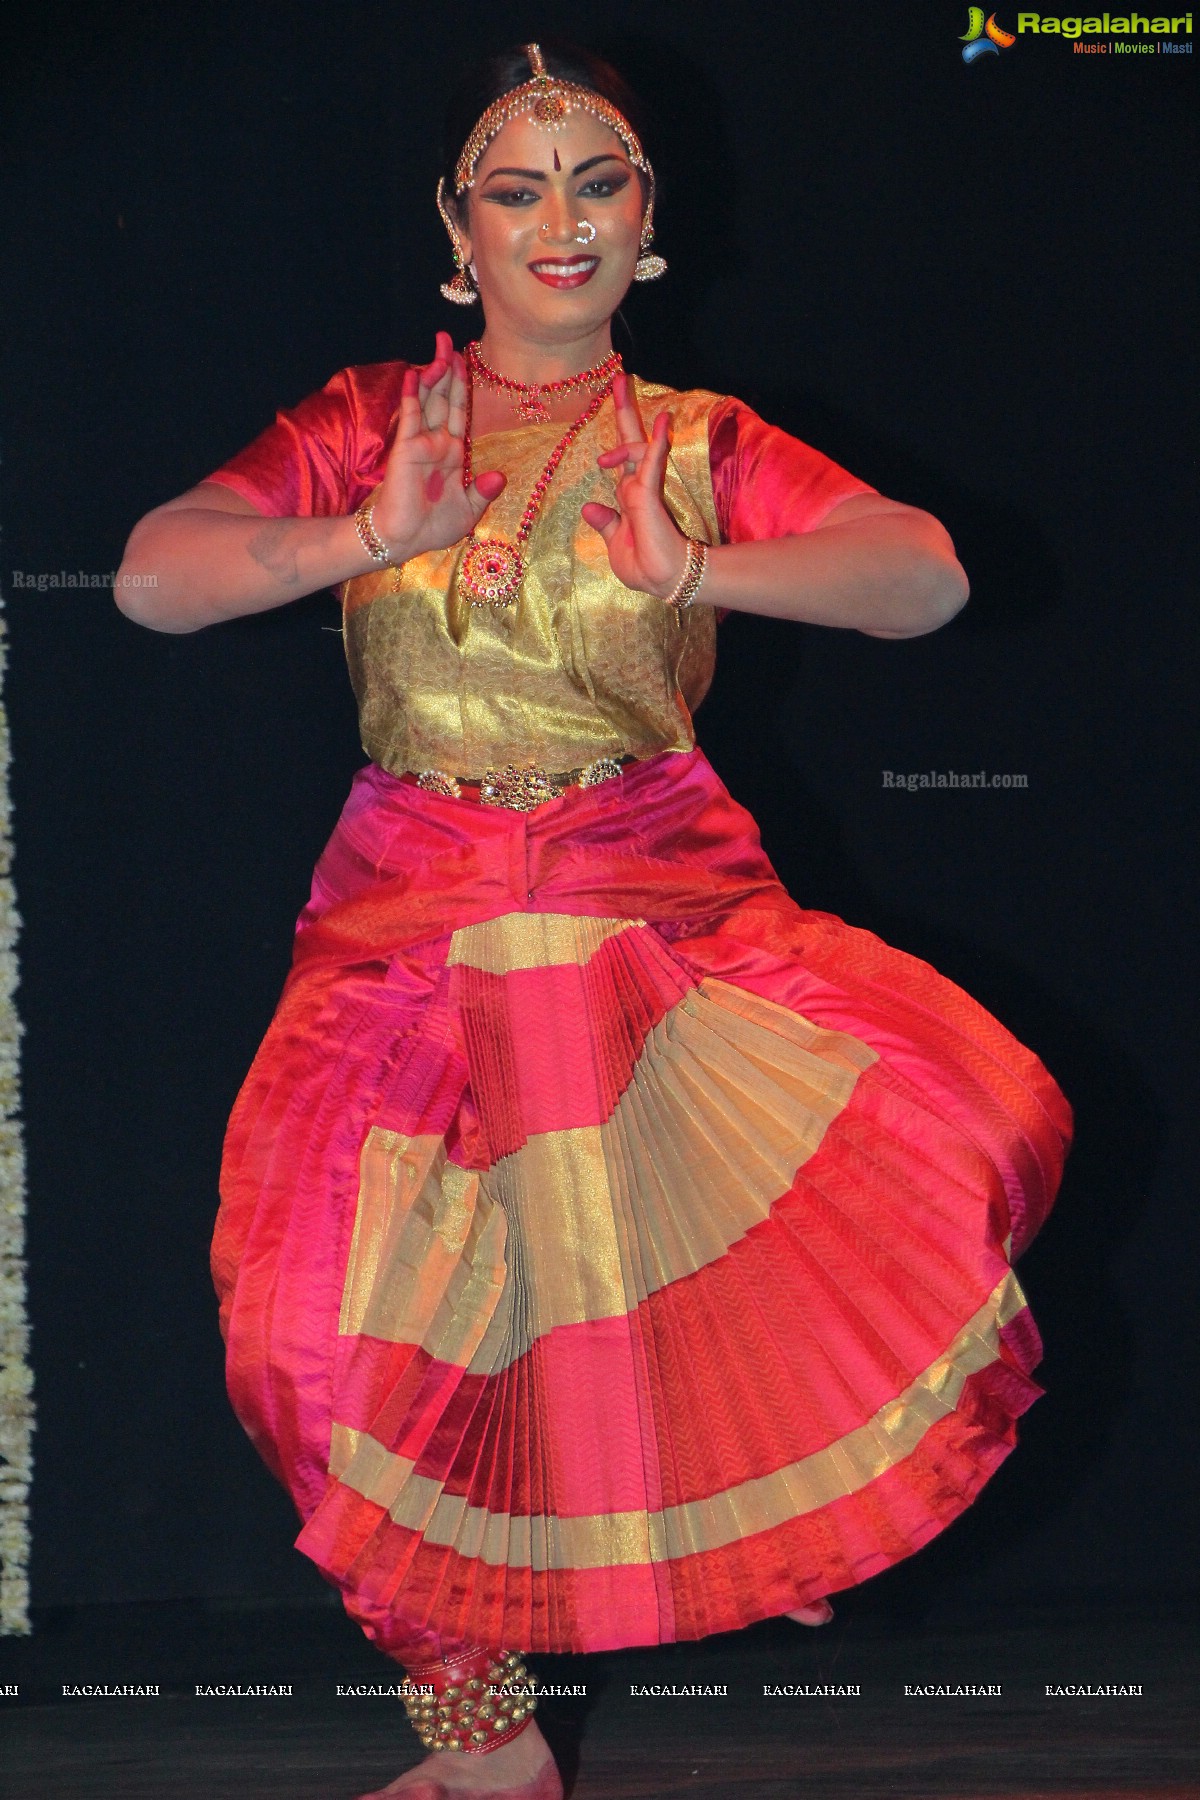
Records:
x=491, y=571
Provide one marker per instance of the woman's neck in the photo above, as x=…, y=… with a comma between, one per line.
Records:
x=524, y=359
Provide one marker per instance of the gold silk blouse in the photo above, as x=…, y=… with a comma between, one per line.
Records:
x=578, y=666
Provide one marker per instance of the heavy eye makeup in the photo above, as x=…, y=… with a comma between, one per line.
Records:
x=603, y=187
x=598, y=187
x=511, y=196
x=524, y=195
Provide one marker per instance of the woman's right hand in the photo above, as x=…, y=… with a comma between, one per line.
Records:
x=421, y=504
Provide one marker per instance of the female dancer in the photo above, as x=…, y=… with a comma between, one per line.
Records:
x=610, y=1252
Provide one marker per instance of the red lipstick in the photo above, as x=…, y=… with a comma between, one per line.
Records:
x=564, y=271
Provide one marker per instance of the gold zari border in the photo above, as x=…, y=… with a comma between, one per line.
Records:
x=606, y=1540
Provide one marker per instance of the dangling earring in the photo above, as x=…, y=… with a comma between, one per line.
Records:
x=458, y=288
x=647, y=267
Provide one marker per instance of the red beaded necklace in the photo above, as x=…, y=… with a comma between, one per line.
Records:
x=532, y=405
x=491, y=571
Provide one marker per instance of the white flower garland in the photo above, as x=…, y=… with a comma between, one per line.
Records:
x=16, y=1376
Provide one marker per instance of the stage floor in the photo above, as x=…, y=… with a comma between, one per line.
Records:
x=613, y=1744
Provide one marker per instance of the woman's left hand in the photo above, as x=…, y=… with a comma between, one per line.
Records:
x=646, y=548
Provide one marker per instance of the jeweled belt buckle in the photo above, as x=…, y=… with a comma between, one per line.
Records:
x=519, y=789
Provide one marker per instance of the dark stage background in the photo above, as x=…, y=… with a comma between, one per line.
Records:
x=974, y=286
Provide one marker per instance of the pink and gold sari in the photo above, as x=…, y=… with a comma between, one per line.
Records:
x=612, y=1251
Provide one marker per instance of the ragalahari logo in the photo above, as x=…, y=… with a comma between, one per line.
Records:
x=983, y=39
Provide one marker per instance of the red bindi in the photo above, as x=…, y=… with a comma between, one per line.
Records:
x=557, y=164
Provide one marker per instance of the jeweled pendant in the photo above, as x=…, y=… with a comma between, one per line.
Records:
x=550, y=109
x=491, y=572
x=532, y=408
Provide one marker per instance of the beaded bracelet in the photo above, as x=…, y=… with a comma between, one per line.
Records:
x=370, y=539
x=688, y=585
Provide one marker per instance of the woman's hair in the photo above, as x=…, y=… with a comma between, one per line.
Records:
x=507, y=69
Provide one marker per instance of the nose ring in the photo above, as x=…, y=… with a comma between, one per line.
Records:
x=585, y=231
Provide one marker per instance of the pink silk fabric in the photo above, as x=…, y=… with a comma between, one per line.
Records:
x=857, y=1281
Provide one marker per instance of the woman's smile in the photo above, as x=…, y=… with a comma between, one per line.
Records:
x=565, y=271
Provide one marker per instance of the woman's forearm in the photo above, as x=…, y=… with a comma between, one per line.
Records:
x=893, y=574
x=188, y=565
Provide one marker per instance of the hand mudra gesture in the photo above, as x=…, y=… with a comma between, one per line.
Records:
x=421, y=503
x=646, y=549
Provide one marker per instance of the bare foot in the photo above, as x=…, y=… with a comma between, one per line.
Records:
x=522, y=1769
x=819, y=1613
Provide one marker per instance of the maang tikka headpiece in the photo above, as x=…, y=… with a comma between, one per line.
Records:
x=548, y=100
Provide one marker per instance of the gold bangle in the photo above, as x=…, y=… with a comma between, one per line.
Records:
x=370, y=539
x=688, y=585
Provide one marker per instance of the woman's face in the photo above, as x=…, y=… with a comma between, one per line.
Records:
x=541, y=272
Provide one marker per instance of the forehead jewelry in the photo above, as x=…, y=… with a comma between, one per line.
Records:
x=548, y=100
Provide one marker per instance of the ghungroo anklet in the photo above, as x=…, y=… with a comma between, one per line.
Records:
x=474, y=1701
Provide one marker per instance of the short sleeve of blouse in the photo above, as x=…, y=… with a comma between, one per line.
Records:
x=324, y=456
x=767, y=484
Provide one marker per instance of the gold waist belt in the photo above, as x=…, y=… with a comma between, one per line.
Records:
x=520, y=789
